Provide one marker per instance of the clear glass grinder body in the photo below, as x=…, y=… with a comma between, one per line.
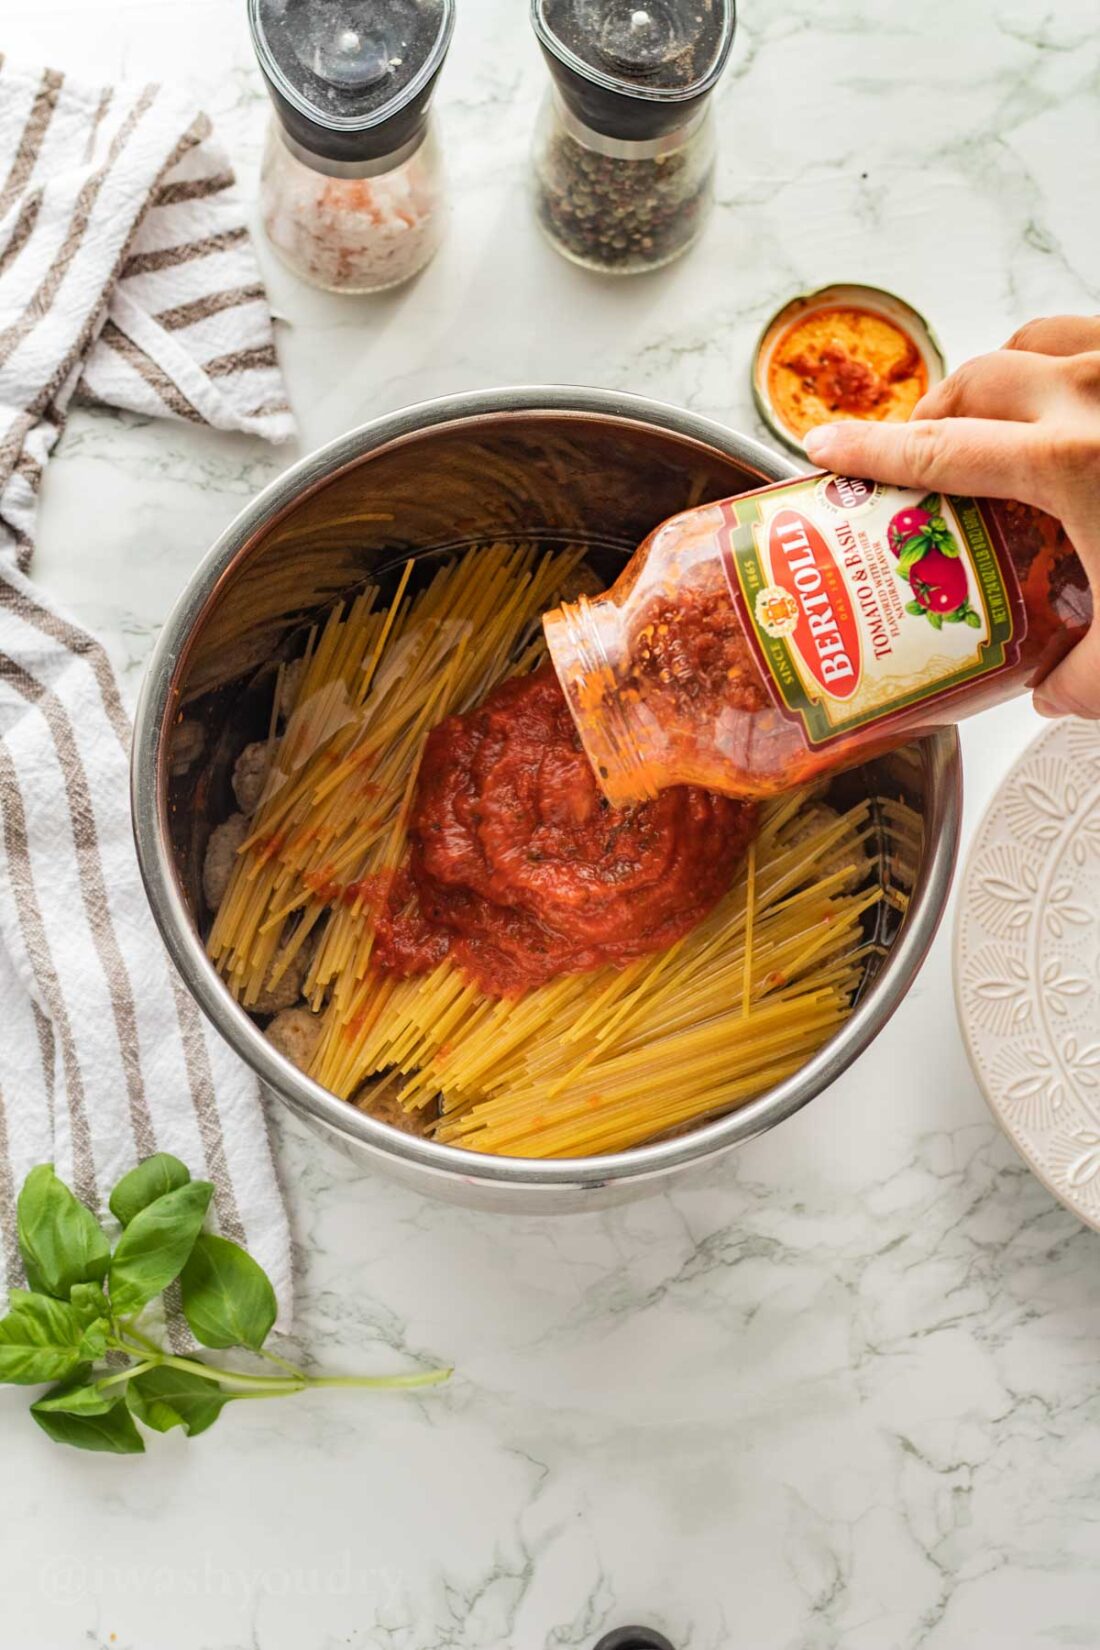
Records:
x=351, y=187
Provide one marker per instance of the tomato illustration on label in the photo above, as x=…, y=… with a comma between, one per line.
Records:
x=825, y=631
x=928, y=557
x=921, y=527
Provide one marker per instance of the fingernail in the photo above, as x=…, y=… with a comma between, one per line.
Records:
x=819, y=444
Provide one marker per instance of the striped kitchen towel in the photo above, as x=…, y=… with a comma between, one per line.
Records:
x=126, y=276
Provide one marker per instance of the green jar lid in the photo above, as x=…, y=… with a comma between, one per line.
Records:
x=871, y=300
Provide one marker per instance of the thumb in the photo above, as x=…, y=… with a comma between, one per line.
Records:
x=1073, y=687
x=985, y=457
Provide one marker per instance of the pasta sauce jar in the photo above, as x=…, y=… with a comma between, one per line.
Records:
x=754, y=643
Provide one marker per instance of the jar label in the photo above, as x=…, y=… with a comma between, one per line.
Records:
x=864, y=600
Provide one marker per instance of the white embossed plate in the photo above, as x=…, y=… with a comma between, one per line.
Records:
x=1027, y=961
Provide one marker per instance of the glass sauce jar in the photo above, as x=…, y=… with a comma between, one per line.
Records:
x=625, y=142
x=351, y=184
x=754, y=643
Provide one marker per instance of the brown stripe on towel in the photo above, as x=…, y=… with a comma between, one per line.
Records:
x=192, y=189
x=13, y=1260
x=199, y=128
x=30, y=143
x=152, y=372
x=201, y=1081
x=93, y=891
x=104, y=104
x=42, y=298
x=27, y=466
x=47, y=1049
x=269, y=408
x=196, y=1056
x=11, y=446
x=186, y=315
x=38, y=950
x=168, y=257
x=77, y=641
x=242, y=360
x=22, y=228
x=24, y=547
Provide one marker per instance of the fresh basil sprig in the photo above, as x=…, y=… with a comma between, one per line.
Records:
x=78, y=1326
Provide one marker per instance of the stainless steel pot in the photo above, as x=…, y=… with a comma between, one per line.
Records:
x=548, y=462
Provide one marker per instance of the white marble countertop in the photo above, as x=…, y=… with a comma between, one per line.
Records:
x=843, y=1393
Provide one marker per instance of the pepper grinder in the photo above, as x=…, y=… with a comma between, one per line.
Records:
x=351, y=185
x=625, y=141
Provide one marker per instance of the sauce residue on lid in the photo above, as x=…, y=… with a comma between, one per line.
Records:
x=844, y=362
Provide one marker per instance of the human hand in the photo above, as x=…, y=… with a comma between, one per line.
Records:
x=1021, y=423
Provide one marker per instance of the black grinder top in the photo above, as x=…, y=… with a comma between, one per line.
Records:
x=351, y=80
x=634, y=69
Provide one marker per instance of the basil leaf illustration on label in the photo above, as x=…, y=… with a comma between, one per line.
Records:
x=912, y=551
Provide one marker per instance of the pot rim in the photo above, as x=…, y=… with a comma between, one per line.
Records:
x=301, y=1093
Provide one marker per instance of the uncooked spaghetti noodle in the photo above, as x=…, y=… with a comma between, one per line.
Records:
x=587, y=1063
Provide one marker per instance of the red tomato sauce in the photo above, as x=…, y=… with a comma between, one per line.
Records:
x=520, y=870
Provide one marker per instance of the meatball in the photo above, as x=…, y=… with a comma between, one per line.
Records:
x=250, y=773
x=582, y=581
x=287, y=989
x=388, y=1109
x=295, y=1033
x=221, y=856
x=186, y=743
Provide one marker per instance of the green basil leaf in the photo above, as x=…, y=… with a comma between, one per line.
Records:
x=912, y=551
x=60, y=1240
x=227, y=1296
x=89, y=1303
x=152, y=1250
x=974, y=621
x=915, y=608
x=935, y=621
x=113, y=1432
x=39, y=1341
x=164, y=1398
x=957, y=616
x=930, y=504
x=77, y=1398
x=93, y=1340
x=151, y=1179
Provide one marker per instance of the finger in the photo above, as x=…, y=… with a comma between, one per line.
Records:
x=1073, y=687
x=1058, y=335
x=953, y=455
x=1014, y=384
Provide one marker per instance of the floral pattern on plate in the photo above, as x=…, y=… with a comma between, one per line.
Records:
x=1027, y=961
